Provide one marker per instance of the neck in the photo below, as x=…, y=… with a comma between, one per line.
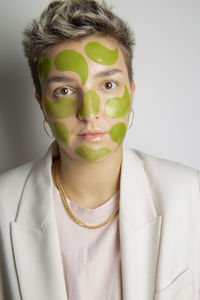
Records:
x=90, y=185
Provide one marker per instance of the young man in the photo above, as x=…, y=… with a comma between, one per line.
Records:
x=93, y=219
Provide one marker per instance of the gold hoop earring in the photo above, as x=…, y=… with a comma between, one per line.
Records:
x=132, y=118
x=47, y=131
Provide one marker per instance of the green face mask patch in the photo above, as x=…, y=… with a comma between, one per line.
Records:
x=118, y=132
x=44, y=68
x=100, y=54
x=118, y=107
x=60, y=109
x=90, y=155
x=61, y=133
x=71, y=60
x=90, y=105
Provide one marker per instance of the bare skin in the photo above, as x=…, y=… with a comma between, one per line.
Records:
x=90, y=184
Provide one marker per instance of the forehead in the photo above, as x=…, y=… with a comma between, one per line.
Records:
x=80, y=46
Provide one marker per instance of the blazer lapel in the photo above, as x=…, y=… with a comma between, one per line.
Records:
x=35, y=238
x=140, y=229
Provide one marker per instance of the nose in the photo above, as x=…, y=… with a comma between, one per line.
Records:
x=90, y=106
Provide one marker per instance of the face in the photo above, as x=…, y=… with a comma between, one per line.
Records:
x=86, y=96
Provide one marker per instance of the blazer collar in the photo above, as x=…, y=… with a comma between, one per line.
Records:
x=34, y=232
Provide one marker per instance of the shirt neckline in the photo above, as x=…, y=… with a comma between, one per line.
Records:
x=90, y=215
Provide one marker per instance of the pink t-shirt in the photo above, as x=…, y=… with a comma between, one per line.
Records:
x=91, y=257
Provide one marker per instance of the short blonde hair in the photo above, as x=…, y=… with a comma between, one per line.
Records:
x=71, y=20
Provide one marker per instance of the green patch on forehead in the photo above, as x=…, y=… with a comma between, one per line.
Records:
x=118, y=107
x=90, y=155
x=118, y=132
x=60, y=109
x=71, y=60
x=61, y=133
x=44, y=68
x=100, y=54
x=90, y=105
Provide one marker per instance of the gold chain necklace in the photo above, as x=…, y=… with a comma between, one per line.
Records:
x=72, y=215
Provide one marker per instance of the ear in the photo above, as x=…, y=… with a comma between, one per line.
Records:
x=37, y=97
x=132, y=90
x=133, y=87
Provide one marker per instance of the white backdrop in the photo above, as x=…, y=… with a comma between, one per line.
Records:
x=167, y=76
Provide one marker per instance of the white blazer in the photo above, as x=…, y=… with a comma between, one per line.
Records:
x=159, y=223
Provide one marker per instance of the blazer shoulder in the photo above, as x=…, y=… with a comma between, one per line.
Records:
x=11, y=185
x=157, y=163
x=171, y=183
x=169, y=174
x=17, y=173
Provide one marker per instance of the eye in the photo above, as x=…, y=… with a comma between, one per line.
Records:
x=109, y=85
x=63, y=92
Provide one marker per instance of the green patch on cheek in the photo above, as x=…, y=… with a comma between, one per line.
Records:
x=118, y=107
x=44, y=68
x=90, y=105
x=61, y=133
x=118, y=132
x=60, y=109
x=71, y=60
x=100, y=54
x=90, y=155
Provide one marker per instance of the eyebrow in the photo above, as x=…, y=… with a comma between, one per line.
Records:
x=107, y=73
x=60, y=79
x=70, y=79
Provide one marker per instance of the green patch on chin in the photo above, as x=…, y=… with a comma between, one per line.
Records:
x=118, y=132
x=90, y=155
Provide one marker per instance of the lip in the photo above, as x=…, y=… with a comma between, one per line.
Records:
x=91, y=132
x=92, y=136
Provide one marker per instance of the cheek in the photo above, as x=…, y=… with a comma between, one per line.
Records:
x=117, y=108
x=118, y=132
x=61, y=133
x=61, y=109
x=54, y=111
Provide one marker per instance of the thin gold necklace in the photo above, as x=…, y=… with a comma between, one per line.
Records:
x=64, y=200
